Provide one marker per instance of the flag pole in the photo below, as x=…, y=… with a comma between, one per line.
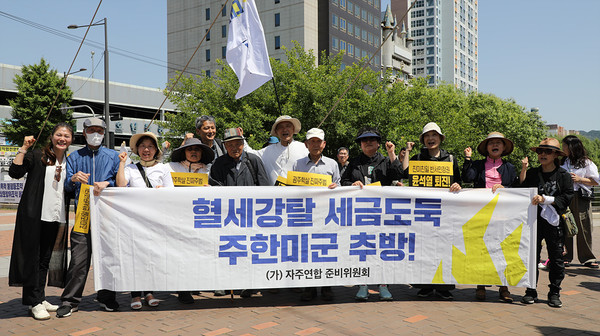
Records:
x=276, y=94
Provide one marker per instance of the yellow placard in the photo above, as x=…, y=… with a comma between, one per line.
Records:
x=82, y=217
x=281, y=181
x=378, y=183
x=308, y=179
x=430, y=168
x=5, y=149
x=189, y=179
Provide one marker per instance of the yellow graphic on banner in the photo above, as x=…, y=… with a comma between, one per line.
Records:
x=82, y=217
x=375, y=184
x=515, y=267
x=308, y=179
x=438, y=278
x=476, y=265
x=9, y=149
x=189, y=179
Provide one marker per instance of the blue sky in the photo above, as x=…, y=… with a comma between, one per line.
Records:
x=541, y=53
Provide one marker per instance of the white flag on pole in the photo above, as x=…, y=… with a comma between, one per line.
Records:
x=247, y=51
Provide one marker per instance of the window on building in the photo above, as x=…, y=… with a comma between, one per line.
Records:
x=357, y=31
x=343, y=4
x=223, y=31
x=335, y=2
x=224, y=11
x=208, y=55
x=364, y=35
x=419, y=3
x=350, y=7
x=334, y=43
x=276, y=1
x=277, y=42
x=224, y=52
x=343, y=24
x=370, y=20
x=419, y=42
x=342, y=45
x=207, y=34
x=417, y=13
x=357, y=52
x=356, y=11
x=334, y=20
x=418, y=32
x=208, y=73
x=418, y=23
x=376, y=59
x=364, y=54
x=277, y=18
x=207, y=14
x=363, y=15
x=350, y=28
x=350, y=49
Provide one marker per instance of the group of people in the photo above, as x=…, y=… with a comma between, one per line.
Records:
x=39, y=255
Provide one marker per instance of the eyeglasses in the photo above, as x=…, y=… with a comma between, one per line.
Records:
x=57, y=173
x=544, y=151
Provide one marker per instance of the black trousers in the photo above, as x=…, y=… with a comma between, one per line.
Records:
x=34, y=295
x=555, y=240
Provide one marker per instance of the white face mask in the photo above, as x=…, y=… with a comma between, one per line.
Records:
x=94, y=139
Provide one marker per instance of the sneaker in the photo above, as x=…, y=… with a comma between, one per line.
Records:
x=109, y=306
x=554, y=300
x=309, y=294
x=49, y=306
x=425, y=292
x=326, y=293
x=480, y=293
x=65, y=311
x=542, y=266
x=384, y=293
x=246, y=293
x=530, y=296
x=220, y=292
x=363, y=293
x=445, y=294
x=39, y=312
x=504, y=295
x=185, y=297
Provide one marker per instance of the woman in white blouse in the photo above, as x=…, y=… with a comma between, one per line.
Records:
x=148, y=173
x=39, y=249
x=585, y=175
x=192, y=157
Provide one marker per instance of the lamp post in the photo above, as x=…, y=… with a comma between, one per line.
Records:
x=74, y=72
x=106, y=99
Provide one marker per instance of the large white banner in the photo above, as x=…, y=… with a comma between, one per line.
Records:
x=207, y=238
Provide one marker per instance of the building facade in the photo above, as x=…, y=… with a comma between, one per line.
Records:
x=396, y=51
x=334, y=26
x=445, y=34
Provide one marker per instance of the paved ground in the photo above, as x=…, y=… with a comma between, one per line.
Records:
x=283, y=314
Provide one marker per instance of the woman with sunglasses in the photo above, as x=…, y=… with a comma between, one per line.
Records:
x=584, y=174
x=555, y=191
x=39, y=249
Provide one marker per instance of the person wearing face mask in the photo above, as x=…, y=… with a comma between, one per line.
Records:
x=555, y=192
x=95, y=165
x=491, y=172
x=39, y=248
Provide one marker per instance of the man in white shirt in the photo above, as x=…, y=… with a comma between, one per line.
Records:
x=279, y=158
x=316, y=163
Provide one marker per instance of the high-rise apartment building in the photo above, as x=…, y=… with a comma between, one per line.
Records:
x=352, y=27
x=445, y=40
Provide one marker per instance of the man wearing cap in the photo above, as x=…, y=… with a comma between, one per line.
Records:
x=279, y=158
x=370, y=166
x=237, y=167
x=96, y=165
x=316, y=163
x=491, y=172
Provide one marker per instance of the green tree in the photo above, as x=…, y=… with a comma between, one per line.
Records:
x=37, y=88
x=307, y=90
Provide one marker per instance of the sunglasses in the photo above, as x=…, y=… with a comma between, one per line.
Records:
x=57, y=173
x=544, y=151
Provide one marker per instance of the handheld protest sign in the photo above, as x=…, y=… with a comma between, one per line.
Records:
x=189, y=179
x=82, y=217
x=435, y=174
x=308, y=179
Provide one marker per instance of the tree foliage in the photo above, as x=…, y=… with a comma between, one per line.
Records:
x=308, y=90
x=37, y=88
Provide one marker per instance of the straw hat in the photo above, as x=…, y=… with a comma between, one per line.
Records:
x=207, y=153
x=508, y=145
x=136, y=137
x=550, y=143
x=294, y=121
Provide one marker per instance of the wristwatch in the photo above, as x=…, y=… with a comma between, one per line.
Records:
x=21, y=150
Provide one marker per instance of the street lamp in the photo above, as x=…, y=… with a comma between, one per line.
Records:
x=74, y=72
x=106, y=100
